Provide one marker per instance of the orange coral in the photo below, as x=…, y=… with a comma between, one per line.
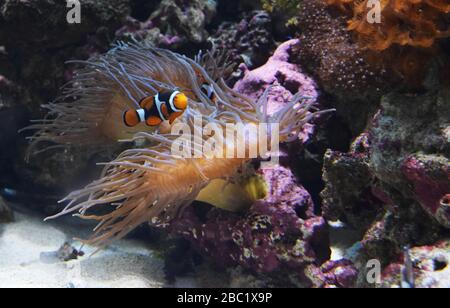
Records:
x=415, y=23
x=406, y=36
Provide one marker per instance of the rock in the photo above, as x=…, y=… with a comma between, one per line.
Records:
x=348, y=195
x=6, y=214
x=277, y=234
x=340, y=274
x=248, y=41
x=429, y=177
x=393, y=184
x=430, y=267
x=339, y=66
x=173, y=24
x=410, y=149
x=284, y=78
x=29, y=44
x=30, y=78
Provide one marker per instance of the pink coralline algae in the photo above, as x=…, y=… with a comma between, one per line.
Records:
x=275, y=234
x=430, y=267
x=409, y=152
x=284, y=78
x=279, y=72
x=341, y=273
x=431, y=184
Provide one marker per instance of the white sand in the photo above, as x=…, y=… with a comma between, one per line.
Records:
x=27, y=259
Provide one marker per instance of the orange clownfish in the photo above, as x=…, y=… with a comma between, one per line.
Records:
x=208, y=90
x=164, y=106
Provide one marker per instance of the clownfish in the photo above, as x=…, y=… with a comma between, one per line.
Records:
x=164, y=106
x=208, y=90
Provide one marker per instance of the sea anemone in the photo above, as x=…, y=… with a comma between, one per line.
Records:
x=146, y=182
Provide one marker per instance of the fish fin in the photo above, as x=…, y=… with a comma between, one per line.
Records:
x=174, y=116
x=147, y=103
x=153, y=121
x=164, y=111
x=131, y=118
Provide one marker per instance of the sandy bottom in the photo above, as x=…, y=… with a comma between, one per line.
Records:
x=28, y=259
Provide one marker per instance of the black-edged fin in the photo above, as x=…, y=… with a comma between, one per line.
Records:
x=147, y=102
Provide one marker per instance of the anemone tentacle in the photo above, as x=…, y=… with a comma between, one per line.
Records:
x=148, y=183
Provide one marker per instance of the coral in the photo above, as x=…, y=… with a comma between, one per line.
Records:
x=279, y=233
x=248, y=41
x=348, y=195
x=173, y=24
x=339, y=66
x=403, y=38
x=414, y=23
x=282, y=78
x=288, y=8
x=430, y=267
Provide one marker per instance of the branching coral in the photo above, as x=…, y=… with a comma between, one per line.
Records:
x=149, y=183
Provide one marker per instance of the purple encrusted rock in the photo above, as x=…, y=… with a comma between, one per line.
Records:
x=279, y=233
x=410, y=152
x=350, y=185
x=430, y=267
x=341, y=273
x=430, y=178
x=284, y=78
